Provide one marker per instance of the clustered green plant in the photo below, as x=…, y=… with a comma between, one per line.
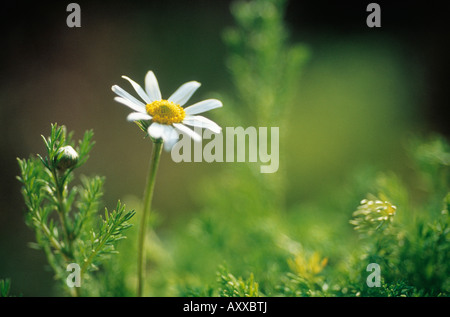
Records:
x=65, y=218
x=269, y=254
x=263, y=64
x=414, y=245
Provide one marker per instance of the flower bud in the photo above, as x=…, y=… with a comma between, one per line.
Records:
x=66, y=158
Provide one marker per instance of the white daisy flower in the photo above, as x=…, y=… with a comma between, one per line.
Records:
x=168, y=116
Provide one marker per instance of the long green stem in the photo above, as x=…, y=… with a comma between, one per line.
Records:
x=148, y=195
x=64, y=223
x=61, y=207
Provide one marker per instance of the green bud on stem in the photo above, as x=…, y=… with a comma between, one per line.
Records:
x=66, y=158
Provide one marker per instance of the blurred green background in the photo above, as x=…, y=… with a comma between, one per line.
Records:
x=361, y=94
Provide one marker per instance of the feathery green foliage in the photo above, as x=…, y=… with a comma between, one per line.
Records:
x=64, y=217
x=230, y=286
x=263, y=64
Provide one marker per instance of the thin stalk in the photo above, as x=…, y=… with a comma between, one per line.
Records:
x=75, y=292
x=148, y=195
x=61, y=210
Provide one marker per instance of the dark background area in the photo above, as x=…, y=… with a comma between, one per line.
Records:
x=52, y=73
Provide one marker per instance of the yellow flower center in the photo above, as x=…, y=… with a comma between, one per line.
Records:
x=165, y=112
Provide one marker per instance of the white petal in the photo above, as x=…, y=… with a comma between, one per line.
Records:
x=203, y=106
x=166, y=132
x=202, y=122
x=155, y=130
x=152, y=87
x=184, y=129
x=168, y=145
x=182, y=94
x=122, y=93
x=170, y=136
x=138, y=89
x=131, y=104
x=136, y=116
